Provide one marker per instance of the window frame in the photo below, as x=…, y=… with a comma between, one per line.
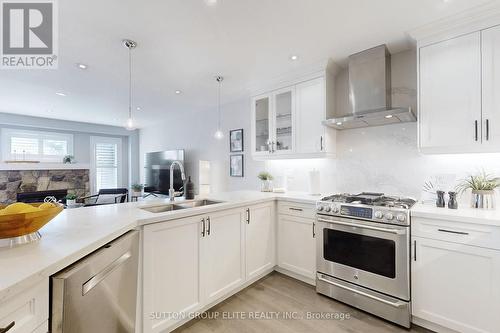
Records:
x=119, y=159
x=6, y=144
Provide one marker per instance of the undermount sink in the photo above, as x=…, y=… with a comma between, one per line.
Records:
x=181, y=205
x=163, y=208
x=197, y=203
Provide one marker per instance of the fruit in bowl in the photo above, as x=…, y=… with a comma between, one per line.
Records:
x=19, y=219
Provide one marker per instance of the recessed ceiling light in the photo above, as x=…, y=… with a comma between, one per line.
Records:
x=211, y=2
x=60, y=94
x=138, y=108
x=294, y=57
x=178, y=92
x=389, y=116
x=339, y=123
x=81, y=66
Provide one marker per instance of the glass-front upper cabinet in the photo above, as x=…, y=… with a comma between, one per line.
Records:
x=283, y=121
x=262, y=124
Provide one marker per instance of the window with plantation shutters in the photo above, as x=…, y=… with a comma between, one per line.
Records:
x=106, y=163
x=25, y=145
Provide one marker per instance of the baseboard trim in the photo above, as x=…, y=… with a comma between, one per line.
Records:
x=295, y=276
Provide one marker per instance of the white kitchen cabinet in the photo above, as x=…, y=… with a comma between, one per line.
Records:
x=222, y=256
x=261, y=125
x=312, y=136
x=491, y=87
x=297, y=246
x=450, y=95
x=171, y=272
x=273, y=120
x=29, y=309
x=259, y=239
x=455, y=286
x=287, y=122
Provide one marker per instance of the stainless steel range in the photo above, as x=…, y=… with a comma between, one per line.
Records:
x=363, y=253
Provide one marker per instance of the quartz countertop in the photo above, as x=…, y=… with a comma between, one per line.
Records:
x=462, y=214
x=75, y=233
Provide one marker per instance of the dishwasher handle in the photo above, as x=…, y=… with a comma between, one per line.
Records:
x=96, y=279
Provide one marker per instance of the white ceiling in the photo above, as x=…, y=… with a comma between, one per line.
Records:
x=183, y=44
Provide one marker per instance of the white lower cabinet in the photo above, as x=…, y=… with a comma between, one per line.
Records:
x=297, y=246
x=456, y=286
x=171, y=272
x=29, y=310
x=193, y=262
x=222, y=257
x=260, y=239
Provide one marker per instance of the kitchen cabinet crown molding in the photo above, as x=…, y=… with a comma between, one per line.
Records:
x=294, y=77
x=474, y=19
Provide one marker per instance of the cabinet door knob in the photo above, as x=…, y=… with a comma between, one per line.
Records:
x=248, y=215
x=203, y=228
x=321, y=143
x=7, y=328
x=208, y=228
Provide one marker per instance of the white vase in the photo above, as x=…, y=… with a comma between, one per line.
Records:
x=70, y=202
x=266, y=186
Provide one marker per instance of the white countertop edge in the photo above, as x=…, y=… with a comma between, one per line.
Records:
x=463, y=215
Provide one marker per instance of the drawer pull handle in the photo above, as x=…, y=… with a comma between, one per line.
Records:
x=453, y=232
x=296, y=209
x=6, y=329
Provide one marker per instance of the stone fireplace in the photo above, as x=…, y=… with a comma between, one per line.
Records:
x=15, y=181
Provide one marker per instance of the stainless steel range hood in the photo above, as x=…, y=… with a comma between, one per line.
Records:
x=370, y=93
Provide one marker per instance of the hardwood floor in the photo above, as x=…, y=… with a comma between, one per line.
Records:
x=270, y=299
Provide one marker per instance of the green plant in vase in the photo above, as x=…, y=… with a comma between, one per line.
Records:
x=267, y=181
x=482, y=187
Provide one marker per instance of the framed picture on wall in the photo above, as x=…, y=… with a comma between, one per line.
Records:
x=236, y=141
x=236, y=165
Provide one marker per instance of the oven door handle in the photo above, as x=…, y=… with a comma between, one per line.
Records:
x=359, y=292
x=369, y=227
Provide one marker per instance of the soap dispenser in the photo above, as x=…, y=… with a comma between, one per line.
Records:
x=189, y=188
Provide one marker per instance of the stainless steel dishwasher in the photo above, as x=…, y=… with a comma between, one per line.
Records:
x=98, y=293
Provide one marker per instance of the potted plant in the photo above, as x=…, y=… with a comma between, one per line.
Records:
x=69, y=159
x=483, y=188
x=71, y=199
x=137, y=190
x=267, y=181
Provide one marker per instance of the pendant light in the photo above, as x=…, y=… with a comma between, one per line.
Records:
x=219, y=135
x=130, y=45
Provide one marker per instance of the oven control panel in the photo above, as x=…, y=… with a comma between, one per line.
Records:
x=361, y=212
x=374, y=214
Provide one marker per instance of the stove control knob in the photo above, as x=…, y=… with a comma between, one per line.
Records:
x=401, y=218
x=320, y=208
x=379, y=215
x=335, y=210
x=389, y=216
x=328, y=209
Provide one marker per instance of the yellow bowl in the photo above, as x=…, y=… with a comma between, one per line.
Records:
x=15, y=225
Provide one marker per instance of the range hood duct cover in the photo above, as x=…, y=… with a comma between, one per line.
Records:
x=370, y=92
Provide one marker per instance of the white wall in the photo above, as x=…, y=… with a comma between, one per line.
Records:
x=194, y=132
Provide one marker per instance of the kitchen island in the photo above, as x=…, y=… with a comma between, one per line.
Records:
x=75, y=233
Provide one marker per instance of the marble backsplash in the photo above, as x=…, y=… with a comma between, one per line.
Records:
x=382, y=159
x=17, y=181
